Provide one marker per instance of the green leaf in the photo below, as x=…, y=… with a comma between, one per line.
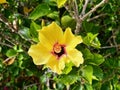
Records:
x=91, y=40
x=54, y=15
x=92, y=58
x=0, y=48
x=68, y=68
x=24, y=32
x=33, y=30
x=69, y=78
x=68, y=21
x=88, y=86
x=98, y=73
x=11, y=52
x=34, y=87
x=98, y=59
x=39, y=11
x=87, y=54
x=60, y=3
x=91, y=27
x=88, y=73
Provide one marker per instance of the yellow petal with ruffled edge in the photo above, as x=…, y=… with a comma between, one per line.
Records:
x=42, y=53
x=60, y=3
x=76, y=57
x=56, y=65
x=3, y=1
x=70, y=40
x=39, y=53
x=50, y=34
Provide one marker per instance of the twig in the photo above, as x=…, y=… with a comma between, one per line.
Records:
x=80, y=18
x=114, y=40
x=106, y=47
x=26, y=87
x=96, y=17
x=68, y=8
x=77, y=18
x=94, y=9
x=75, y=8
x=4, y=44
x=7, y=23
x=84, y=7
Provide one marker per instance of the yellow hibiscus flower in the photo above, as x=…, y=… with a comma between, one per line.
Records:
x=56, y=48
x=3, y=1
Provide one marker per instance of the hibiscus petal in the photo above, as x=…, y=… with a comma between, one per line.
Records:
x=56, y=65
x=76, y=57
x=70, y=39
x=50, y=34
x=39, y=53
x=3, y=1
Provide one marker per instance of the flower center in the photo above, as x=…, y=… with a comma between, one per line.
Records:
x=58, y=50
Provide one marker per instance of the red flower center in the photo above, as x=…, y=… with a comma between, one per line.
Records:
x=58, y=50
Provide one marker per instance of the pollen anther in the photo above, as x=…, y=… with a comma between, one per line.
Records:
x=57, y=48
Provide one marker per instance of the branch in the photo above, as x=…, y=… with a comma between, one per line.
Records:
x=96, y=17
x=77, y=18
x=4, y=44
x=106, y=47
x=7, y=23
x=81, y=17
x=94, y=9
x=84, y=8
x=31, y=85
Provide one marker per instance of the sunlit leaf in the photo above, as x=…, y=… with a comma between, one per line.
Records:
x=68, y=68
x=91, y=40
x=39, y=11
x=54, y=15
x=11, y=52
x=88, y=73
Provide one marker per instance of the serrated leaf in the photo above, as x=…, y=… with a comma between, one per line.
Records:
x=60, y=3
x=39, y=11
x=87, y=73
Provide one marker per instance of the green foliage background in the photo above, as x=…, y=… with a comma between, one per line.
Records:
x=100, y=47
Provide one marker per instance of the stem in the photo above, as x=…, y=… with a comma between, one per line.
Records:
x=94, y=9
x=106, y=47
x=84, y=7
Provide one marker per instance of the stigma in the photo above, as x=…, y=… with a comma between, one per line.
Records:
x=58, y=50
